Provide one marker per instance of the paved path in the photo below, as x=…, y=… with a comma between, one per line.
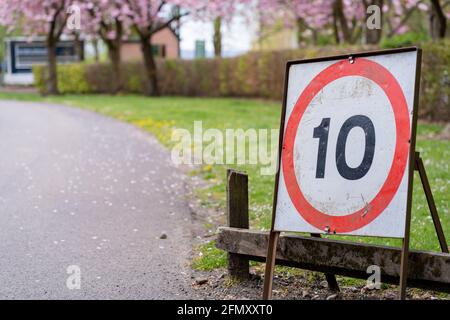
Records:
x=77, y=188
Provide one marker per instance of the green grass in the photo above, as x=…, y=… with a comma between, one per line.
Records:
x=425, y=129
x=209, y=257
x=160, y=115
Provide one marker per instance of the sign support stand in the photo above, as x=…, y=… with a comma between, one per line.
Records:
x=270, y=264
x=431, y=204
x=418, y=166
x=405, y=254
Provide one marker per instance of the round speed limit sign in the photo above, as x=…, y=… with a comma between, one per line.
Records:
x=346, y=145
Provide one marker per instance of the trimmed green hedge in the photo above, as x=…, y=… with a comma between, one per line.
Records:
x=256, y=74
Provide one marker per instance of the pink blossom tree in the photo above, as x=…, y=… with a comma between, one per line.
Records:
x=44, y=17
x=302, y=15
x=402, y=10
x=343, y=16
x=110, y=20
x=398, y=12
x=220, y=12
x=439, y=12
x=150, y=16
x=347, y=18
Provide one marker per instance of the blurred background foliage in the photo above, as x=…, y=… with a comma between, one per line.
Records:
x=257, y=74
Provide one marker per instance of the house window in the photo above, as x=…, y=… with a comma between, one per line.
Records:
x=159, y=50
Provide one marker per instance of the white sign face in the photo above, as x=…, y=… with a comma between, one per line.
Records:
x=345, y=157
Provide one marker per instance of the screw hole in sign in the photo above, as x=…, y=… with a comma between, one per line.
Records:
x=387, y=82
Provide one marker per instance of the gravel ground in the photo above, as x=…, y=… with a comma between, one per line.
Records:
x=306, y=286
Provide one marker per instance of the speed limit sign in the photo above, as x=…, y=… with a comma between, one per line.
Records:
x=347, y=135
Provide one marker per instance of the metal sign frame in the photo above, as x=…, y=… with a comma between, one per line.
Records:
x=415, y=163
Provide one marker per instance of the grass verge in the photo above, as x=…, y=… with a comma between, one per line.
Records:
x=160, y=116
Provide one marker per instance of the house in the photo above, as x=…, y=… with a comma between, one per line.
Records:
x=22, y=53
x=166, y=44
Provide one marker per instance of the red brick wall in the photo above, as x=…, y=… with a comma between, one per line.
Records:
x=131, y=51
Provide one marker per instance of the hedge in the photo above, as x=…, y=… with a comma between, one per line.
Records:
x=256, y=74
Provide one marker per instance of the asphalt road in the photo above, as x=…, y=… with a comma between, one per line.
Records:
x=79, y=189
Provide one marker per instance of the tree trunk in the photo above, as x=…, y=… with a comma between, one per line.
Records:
x=115, y=59
x=338, y=9
x=373, y=36
x=315, y=37
x=52, y=79
x=300, y=30
x=438, y=21
x=96, y=52
x=79, y=47
x=114, y=48
x=337, y=38
x=151, y=86
x=217, y=38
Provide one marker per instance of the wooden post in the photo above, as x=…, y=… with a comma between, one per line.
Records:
x=429, y=270
x=237, y=217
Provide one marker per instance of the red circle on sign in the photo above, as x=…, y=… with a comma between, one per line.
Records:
x=356, y=220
